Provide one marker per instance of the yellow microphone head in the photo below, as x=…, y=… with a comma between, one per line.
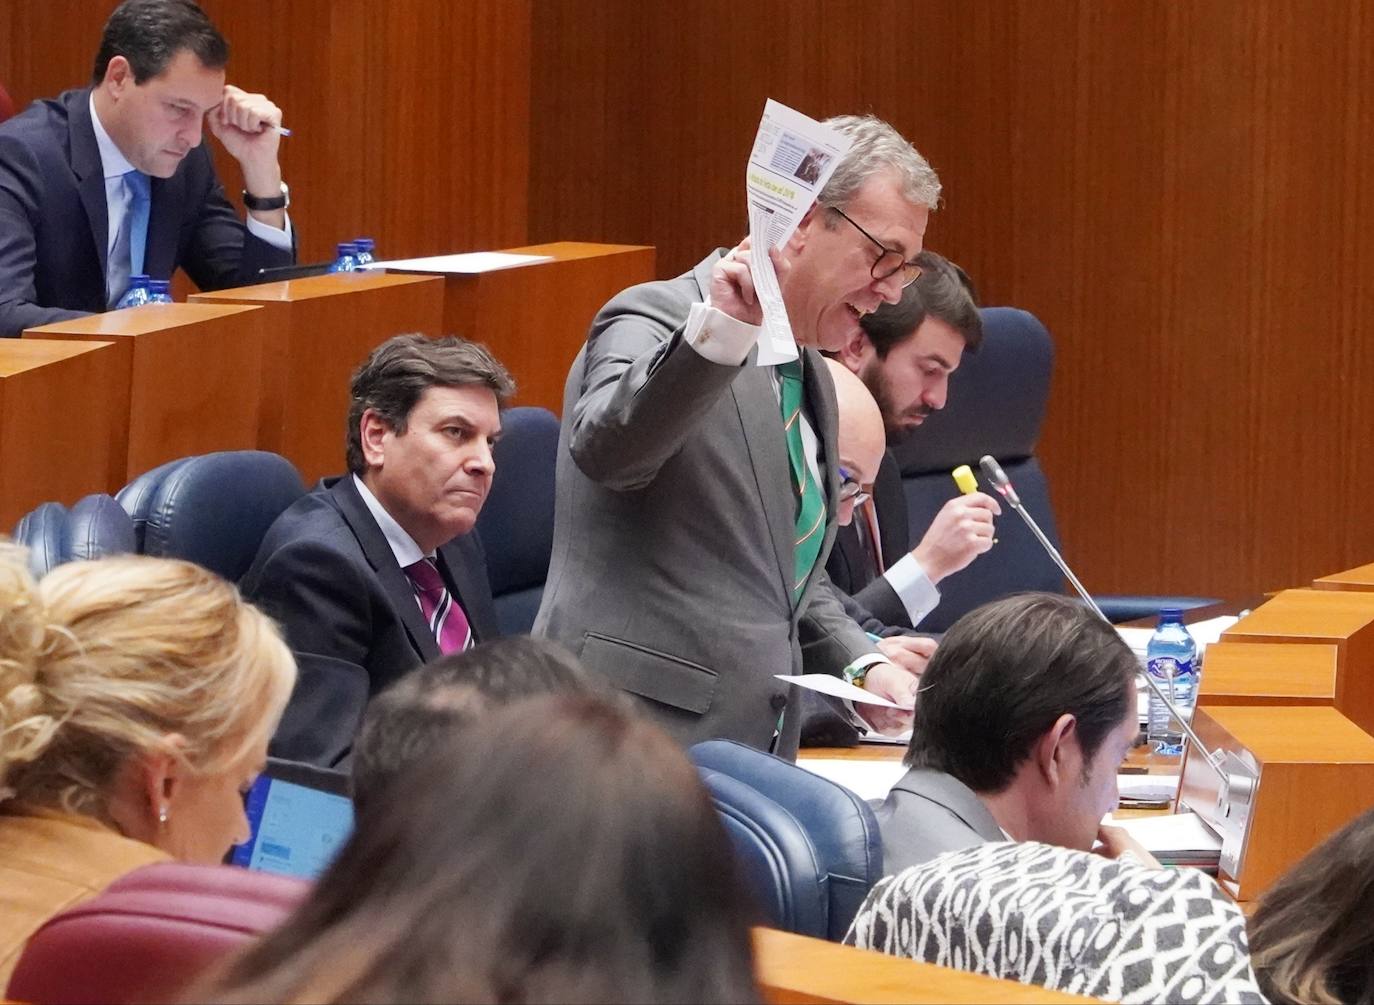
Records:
x=963, y=477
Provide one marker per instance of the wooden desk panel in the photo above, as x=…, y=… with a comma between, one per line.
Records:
x=1360, y=578
x=64, y=422
x=1256, y=673
x=1316, y=774
x=193, y=376
x=1340, y=618
x=794, y=968
x=535, y=318
x=325, y=328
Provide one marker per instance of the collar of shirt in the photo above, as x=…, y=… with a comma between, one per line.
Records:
x=403, y=546
x=112, y=161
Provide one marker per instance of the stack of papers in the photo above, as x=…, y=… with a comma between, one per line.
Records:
x=1175, y=839
x=1142, y=791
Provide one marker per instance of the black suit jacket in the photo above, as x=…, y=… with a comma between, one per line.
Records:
x=326, y=572
x=850, y=566
x=54, y=224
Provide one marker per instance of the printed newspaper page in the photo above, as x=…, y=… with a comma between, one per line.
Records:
x=793, y=158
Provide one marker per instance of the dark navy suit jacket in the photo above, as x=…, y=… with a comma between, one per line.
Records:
x=326, y=573
x=54, y=222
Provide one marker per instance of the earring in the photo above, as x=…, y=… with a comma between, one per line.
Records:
x=162, y=816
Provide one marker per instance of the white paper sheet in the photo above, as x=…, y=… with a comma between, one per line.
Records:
x=1170, y=833
x=836, y=688
x=793, y=157
x=866, y=779
x=468, y=264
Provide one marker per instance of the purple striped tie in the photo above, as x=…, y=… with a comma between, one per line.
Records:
x=446, y=619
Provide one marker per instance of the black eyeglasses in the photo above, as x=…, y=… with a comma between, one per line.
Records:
x=851, y=489
x=890, y=260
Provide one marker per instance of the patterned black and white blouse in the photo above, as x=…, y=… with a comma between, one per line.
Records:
x=1065, y=920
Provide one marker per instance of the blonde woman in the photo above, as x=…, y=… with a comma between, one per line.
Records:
x=137, y=696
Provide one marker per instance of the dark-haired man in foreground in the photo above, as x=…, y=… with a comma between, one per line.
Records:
x=113, y=180
x=374, y=572
x=1025, y=714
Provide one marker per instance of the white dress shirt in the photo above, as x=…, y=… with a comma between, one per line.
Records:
x=403, y=546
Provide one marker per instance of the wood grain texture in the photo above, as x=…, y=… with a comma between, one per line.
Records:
x=794, y=968
x=1177, y=190
x=194, y=376
x=1252, y=673
x=1359, y=578
x=64, y=415
x=1316, y=774
x=326, y=326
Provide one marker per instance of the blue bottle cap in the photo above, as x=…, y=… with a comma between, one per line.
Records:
x=364, y=244
x=159, y=285
x=347, y=248
x=1171, y=614
x=139, y=280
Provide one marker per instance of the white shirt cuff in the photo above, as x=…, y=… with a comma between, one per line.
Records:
x=913, y=588
x=279, y=239
x=717, y=336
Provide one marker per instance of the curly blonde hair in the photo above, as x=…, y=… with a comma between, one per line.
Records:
x=103, y=660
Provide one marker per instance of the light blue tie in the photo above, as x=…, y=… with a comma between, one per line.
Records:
x=139, y=189
x=130, y=243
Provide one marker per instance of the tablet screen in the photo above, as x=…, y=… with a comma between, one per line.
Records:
x=297, y=829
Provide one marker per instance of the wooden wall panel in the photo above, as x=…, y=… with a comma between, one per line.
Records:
x=1178, y=190
x=410, y=118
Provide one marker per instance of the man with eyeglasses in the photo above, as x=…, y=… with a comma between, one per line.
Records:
x=904, y=353
x=697, y=492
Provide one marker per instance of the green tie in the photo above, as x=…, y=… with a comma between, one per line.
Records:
x=810, y=498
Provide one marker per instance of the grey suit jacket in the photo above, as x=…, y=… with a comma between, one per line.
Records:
x=673, y=533
x=928, y=813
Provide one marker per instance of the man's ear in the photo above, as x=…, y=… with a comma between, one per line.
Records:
x=118, y=75
x=1057, y=754
x=856, y=351
x=373, y=429
x=800, y=236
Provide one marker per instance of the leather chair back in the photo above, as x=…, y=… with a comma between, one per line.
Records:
x=212, y=509
x=516, y=523
x=96, y=526
x=997, y=402
x=775, y=856
x=150, y=934
x=839, y=827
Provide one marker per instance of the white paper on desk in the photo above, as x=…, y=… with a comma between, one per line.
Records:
x=793, y=157
x=1170, y=832
x=867, y=779
x=467, y=264
x=836, y=688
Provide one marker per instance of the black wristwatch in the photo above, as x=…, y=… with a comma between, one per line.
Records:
x=258, y=205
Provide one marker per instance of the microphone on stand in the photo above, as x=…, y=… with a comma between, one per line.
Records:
x=1003, y=486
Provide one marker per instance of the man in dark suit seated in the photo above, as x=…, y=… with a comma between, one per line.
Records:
x=1026, y=712
x=114, y=180
x=374, y=573
x=905, y=353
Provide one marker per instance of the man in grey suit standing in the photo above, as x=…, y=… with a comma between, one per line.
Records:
x=1027, y=710
x=692, y=523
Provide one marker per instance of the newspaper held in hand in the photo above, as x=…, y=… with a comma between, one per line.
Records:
x=793, y=157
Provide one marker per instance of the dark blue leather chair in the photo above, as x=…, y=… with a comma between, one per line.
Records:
x=775, y=857
x=212, y=509
x=799, y=836
x=997, y=402
x=516, y=523
x=96, y=526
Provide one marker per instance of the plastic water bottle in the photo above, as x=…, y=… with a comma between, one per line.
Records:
x=1171, y=661
x=137, y=294
x=347, y=260
x=158, y=290
x=364, y=253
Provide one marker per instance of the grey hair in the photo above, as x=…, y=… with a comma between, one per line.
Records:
x=878, y=148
